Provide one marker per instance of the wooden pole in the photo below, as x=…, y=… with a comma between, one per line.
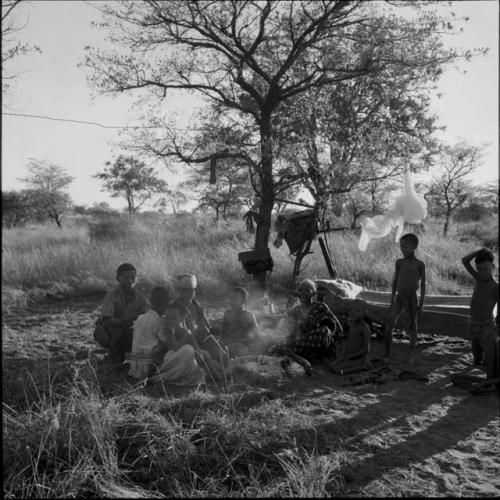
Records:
x=328, y=260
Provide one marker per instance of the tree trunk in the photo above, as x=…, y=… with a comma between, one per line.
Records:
x=446, y=223
x=57, y=220
x=267, y=188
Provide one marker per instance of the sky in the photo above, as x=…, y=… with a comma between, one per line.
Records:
x=50, y=83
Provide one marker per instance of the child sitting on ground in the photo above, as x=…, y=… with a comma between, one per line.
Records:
x=484, y=298
x=357, y=345
x=239, y=326
x=149, y=338
x=409, y=272
x=120, y=308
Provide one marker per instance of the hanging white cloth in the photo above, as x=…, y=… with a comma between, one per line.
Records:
x=408, y=207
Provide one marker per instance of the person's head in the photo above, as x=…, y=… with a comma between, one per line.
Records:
x=239, y=297
x=126, y=276
x=484, y=264
x=160, y=297
x=173, y=316
x=186, y=287
x=305, y=290
x=357, y=309
x=408, y=244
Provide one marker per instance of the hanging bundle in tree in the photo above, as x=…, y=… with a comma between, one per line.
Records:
x=256, y=261
x=296, y=228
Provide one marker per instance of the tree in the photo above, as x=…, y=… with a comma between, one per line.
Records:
x=131, y=179
x=252, y=57
x=11, y=47
x=16, y=209
x=449, y=190
x=47, y=184
x=175, y=198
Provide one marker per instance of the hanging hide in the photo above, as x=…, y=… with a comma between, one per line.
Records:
x=409, y=207
x=296, y=228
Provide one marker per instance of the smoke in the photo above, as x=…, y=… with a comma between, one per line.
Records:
x=261, y=340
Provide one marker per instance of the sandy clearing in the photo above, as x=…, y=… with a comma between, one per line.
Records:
x=430, y=438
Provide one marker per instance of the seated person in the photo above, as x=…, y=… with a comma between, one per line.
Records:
x=149, y=338
x=181, y=341
x=239, y=326
x=120, y=308
x=492, y=366
x=195, y=320
x=357, y=345
x=314, y=328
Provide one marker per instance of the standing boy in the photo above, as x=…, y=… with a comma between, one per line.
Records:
x=357, y=345
x=120, y=308
x=409, y=272
x=484, y=298
x=239, y=326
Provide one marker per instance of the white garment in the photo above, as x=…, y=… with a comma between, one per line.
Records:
x=409, y=207
x=180, y=368
x=148, y=332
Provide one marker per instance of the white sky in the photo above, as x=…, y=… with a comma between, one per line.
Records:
x=51, y=84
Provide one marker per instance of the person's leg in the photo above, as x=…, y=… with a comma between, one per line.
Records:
x=392, y=317
x=412, y=325
x=120, y=342
x=477, y=343
x=491, y=354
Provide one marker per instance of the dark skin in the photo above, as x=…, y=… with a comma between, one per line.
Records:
x=357, y=346
x=482, y=309
x=409, y=272
x=126, y=281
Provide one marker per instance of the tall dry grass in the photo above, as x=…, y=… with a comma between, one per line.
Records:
x=78, y=442
x=83, y=257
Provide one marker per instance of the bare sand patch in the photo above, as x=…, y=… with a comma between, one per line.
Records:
x=403, y=437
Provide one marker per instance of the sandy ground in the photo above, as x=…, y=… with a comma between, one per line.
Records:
x=431, y=438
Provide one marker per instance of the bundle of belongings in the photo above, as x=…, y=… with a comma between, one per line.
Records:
x=338, y=295
x=296, y=228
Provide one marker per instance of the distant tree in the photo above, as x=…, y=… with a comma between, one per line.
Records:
x=47, y=184
x=482, y=202
x=131, y=179
x=448, y=191
x=173, y=198
x=16, y=209
x=11, y=46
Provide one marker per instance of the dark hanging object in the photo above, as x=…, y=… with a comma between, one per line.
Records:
x=256, y=261
x=213, y=162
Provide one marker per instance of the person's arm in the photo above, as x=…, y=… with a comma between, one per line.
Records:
x=422, y=288
x=394, y=284
x=466, y=262
x=498, y=303
x=363, y=351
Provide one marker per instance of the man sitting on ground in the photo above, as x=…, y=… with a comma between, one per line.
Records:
x=120, y=308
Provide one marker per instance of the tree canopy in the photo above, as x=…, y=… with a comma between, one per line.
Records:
x=130, y=178
x=250, y=58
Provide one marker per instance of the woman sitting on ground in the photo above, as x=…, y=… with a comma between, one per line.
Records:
x=314, y=329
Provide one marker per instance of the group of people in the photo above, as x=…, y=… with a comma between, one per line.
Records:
x=174, y=341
